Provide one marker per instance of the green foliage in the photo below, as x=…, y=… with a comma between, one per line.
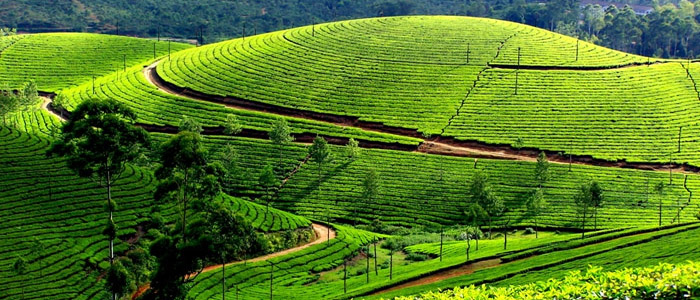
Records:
x=352, y=149
x=542, y=169
x=191, y=125
x=280, y=133
x=319, y=151
x=664, y=281
x=19, y=266
x=370, y=187
x=98, y=140
x=232, y=125
x=185, y=175
x=118, y=280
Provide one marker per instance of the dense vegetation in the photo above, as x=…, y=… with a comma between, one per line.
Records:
x=664, y=281
x=670, y=30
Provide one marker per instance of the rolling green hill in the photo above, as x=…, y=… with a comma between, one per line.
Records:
x=412, y=73
x=60, y=60
x=401, y=86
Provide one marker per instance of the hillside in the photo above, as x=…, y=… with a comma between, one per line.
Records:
x=605, y=104
x=442, y=131
x=59, y=60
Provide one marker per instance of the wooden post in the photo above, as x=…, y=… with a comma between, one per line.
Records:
x=313, y=29
x=517, y=71
x=154, y=50
x=440, y=243
x=93, y=85
x=124, y=62
x=272, y=266
x=345, y=277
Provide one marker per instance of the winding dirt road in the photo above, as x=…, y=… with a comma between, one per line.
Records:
x=323, y=234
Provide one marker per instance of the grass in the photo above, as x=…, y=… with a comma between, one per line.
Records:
x=628, y=251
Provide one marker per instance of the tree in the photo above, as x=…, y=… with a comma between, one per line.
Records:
x=352, y=149
x=541, y=169
x=597, y=198
x=535, y=206
x=481, y=194
x=19, y=267
x=320, y=153
x=29, y=95
x=370, y=188
x=474, y=213
x=118, y=280
x=588, y=194
x=268, y=181
x=660, y=189
x=232, y=125
x=98, y=141
x=185, y=174
x=9, y=103
x=191, y=125
x=228, y=158
x=229, y=236
x=280, y=135
x=59, y=103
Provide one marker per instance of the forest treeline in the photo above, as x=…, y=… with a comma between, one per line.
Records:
x=671, y=29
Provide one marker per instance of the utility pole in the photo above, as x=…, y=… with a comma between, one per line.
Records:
x=154, y=50
x=517, y=71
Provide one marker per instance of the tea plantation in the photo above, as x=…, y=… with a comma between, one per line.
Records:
x=448, y=111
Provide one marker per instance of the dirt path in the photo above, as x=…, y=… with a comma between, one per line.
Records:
x=470, y=268
x=447, y=274
x=323, y=234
